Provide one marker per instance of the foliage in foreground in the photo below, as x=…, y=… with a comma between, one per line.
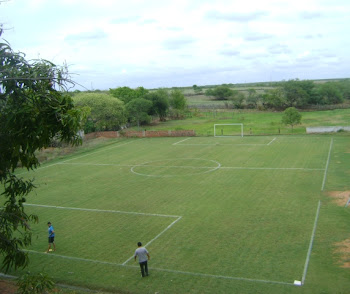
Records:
x=33, y=111
x=35, y=283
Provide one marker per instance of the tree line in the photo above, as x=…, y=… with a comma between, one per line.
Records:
x=124, y=106
x=292, y=93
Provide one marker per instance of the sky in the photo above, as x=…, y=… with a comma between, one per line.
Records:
x=159, y=43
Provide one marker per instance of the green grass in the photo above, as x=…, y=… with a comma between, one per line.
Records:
x=255, y=122
x=221, y=215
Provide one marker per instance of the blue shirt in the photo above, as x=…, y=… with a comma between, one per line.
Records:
x=51, y=234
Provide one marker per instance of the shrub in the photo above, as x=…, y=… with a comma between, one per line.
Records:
x=34, y=283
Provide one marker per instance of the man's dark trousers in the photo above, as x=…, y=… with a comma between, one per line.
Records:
x=144, y=268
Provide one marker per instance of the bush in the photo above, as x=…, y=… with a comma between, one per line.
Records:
x=34, y=283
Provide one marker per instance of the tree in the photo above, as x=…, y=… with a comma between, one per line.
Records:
x=197, y=89
x=138, y=109
x=220, y=92
x=177, y=100
x=297, y=93
x=106, y=112
x=274, y=99
x=127, y=94
x=291, y=116
x=178, y=104
x=160, y=103
x=330, y=93
x=252, y=99
x=32, y=112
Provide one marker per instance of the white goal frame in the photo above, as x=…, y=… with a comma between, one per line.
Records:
x=215, y=125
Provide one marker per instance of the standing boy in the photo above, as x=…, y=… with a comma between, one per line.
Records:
x=143, y=255
x=51, y=238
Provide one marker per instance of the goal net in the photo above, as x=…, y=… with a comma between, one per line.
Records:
x=228, y=130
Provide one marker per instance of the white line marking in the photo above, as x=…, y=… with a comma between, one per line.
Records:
x=347, y=203
x=271, y=141
x=311, y=243
x=210, y=169
x=156, y=237
x=102, y=210
x=54, y=164
x=72, y=258
x=221, y=277
x=216, y=144
x=162, y=270
x=326, y=169
x=199, y=167
x=274, y=168
x=181, y=141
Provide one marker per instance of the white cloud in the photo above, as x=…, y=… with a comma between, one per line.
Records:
x=156, y=43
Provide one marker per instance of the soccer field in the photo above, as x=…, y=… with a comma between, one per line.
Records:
x=218, y=215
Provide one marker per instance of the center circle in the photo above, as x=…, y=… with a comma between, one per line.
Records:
x=175, y=167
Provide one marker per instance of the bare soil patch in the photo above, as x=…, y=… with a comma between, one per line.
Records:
x=343, y=248
x=7, y=287
x=340, y=197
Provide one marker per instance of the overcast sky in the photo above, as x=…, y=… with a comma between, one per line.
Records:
x=160, y=43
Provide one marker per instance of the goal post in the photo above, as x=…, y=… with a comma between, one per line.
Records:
x=228, y=130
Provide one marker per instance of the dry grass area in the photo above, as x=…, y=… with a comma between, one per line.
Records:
x=51, y=153
x=343, y=249
x=340, y=197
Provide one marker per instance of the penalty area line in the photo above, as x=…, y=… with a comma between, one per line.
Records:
x=181, y=141
x=54, y=255
x=102, y=210
x=271, y=141
x=78, y=157
x=156, y=237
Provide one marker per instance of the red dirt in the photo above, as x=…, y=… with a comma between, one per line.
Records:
x=7, y=287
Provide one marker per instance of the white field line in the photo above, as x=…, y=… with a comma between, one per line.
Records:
x=198, y=167
x=145, y=165
x=54, y=164
x=155, y=238
x=220, y=277
x=161, y=270
x=311, y=243
x=217, y=144
x=271, y=141
x=326, y=168
x=347, y=203
x=273, y=168
x=102, y=210
x=181, y=141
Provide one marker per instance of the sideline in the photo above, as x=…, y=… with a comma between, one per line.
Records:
x=311, y=243
x=326, y=168
x=165, y=270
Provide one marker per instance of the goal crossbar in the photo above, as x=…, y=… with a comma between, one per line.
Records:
x=218, y=125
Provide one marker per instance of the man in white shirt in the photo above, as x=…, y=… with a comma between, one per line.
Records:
x=143, y=255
